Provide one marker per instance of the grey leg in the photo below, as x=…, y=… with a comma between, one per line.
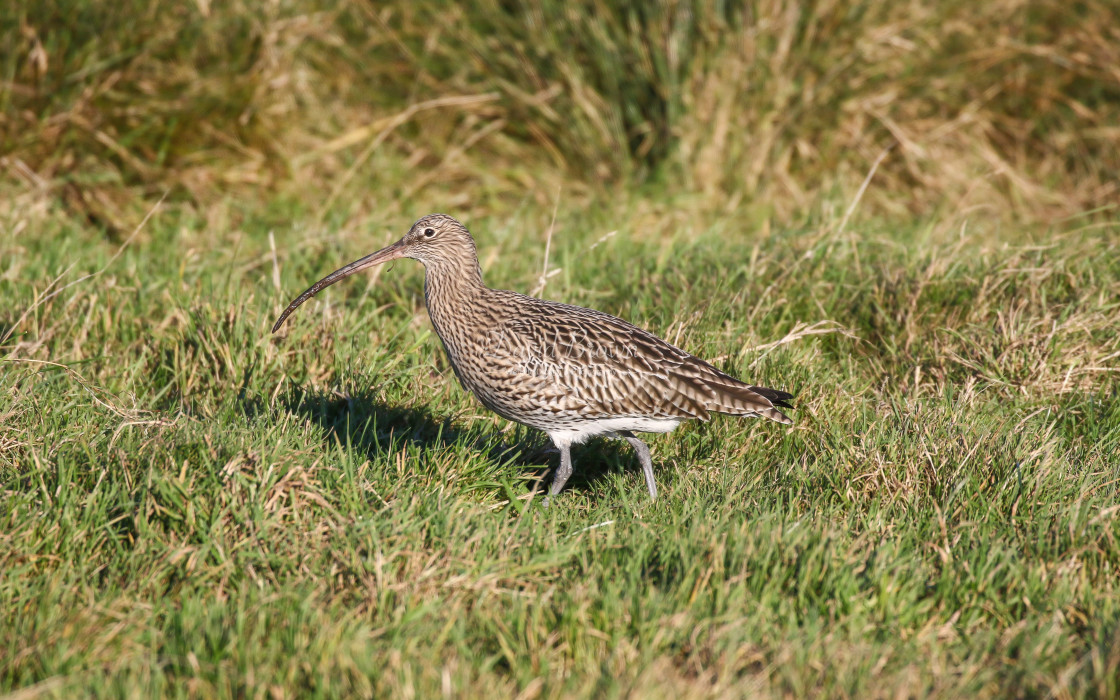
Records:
x=644, y=458
x=562, y=472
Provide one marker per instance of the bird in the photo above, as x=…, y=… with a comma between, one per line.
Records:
x=572, y=372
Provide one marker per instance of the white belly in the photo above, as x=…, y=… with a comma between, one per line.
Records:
x=574, y=435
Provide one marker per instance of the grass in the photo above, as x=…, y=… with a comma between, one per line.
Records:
x=193, y=507
x=1007, y=107
x=902, y=212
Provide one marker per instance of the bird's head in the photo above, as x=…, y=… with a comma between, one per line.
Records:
x=437, y=240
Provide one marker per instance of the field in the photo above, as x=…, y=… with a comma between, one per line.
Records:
x=191, y=506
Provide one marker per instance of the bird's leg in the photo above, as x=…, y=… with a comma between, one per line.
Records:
x=562, y=472
x=644, y=458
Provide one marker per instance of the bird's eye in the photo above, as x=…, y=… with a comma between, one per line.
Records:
x=429, y=232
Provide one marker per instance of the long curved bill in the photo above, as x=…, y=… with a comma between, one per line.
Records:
x=384, y=255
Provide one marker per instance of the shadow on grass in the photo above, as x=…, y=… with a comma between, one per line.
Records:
x=366, y=423
x=363, y=422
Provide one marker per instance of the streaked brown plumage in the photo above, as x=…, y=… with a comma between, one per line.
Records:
x=569, y=371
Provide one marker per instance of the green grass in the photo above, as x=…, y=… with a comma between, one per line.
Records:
x=191, y=506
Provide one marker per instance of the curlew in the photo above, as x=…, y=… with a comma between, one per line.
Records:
x=572, y=372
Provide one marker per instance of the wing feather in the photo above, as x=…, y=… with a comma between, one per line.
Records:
x=617, y=369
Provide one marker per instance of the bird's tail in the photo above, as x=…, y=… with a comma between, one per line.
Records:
x=740, y=399
x=778, y=398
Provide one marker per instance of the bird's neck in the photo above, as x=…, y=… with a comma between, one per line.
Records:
x=450, y=288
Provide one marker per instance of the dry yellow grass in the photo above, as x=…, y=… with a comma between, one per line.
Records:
x=1009, y=109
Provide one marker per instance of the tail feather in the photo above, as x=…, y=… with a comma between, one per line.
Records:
x=742, y=399
x=778, y=398
x=776, y=415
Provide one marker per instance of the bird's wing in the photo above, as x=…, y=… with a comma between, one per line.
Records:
x=619, y=369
